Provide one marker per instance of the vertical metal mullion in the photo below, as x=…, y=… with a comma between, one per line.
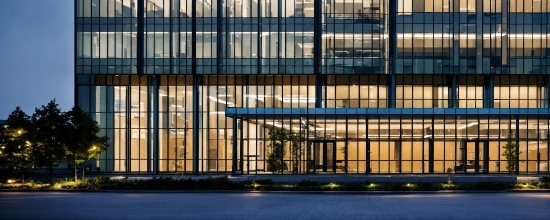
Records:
x=546, y=93
x=155, y=123
x=128, y=144
x=517, y=143
x=219, y=37
x=259, y=39
x=476, y=155
x=234, y=145
x=196, y=84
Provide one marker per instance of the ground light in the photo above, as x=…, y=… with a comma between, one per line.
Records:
x=371, y=186
x=332, y=185
x=410, y=185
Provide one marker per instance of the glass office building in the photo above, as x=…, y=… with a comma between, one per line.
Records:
x=371, y=86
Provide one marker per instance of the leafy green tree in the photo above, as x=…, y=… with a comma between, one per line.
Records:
x=511, y=154
x=50, y=122
x=278, y=138
x=18, y=141
x=296, y=149
x=80, y=139
x=3, y=141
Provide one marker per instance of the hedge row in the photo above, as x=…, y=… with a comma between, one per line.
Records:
x=223, y=183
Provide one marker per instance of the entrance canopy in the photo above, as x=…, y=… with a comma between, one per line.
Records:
x=352, y=113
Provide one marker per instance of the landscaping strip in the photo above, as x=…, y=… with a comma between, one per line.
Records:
x=223, y=183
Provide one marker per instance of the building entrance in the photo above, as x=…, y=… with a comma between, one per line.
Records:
x=473, y=156
x=321, y=156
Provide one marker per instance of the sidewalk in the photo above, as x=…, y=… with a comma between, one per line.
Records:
x=325, y=178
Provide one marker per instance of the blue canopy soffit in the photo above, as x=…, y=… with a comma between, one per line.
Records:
x=336, y=113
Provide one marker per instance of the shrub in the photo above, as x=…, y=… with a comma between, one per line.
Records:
x=259, y=182
x=307, y=183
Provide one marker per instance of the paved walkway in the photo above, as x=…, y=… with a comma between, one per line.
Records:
x=458, y=178
x=108, y=205
x=340, y=178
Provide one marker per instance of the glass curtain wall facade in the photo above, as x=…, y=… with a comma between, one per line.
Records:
x=371, y=86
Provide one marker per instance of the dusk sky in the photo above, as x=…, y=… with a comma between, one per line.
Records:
x=36, y=54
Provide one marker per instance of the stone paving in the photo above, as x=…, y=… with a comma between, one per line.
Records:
x=340, y=178
x=272, y=205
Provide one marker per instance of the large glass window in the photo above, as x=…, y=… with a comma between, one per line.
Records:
x=470, y=90
x=518, y=96
x=175, y=124
x=111, y=8
x=470, y=96
x=416, y=91
x=419, y=96
x=345, y=91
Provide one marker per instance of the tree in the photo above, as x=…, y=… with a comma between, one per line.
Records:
x=50, y=122
x=278, y=139
x=80, y=139
x=18, y=142
x=511, y=154
x=296, y=149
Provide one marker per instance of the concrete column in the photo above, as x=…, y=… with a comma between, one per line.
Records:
x=456, y=37
x=392, y=35
x=453, y=100
x=504, y=34
x=479, y=37
x=317, y=53
x=154, y=125
x=488, y=92
x=235, y=125
x=391, y=91
x=140, y=38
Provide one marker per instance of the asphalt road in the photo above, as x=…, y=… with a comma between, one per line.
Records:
x=273, y=205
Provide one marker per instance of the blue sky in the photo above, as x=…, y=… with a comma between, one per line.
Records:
x=36, y=54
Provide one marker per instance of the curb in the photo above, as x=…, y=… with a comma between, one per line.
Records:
x=282, y=192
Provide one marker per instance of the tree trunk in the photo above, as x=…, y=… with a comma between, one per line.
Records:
x=50, y=170
x=23, y=176
x=75, y=170
x=83, y=170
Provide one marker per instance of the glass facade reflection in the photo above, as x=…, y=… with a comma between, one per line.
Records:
x=372, y=86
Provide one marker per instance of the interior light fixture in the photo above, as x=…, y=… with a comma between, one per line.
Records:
x=276, y=124
x=230, y=104
x=296, y=99
x=467, y=126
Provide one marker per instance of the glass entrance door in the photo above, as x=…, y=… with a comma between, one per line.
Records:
x=473, y=156
x=322, y=156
